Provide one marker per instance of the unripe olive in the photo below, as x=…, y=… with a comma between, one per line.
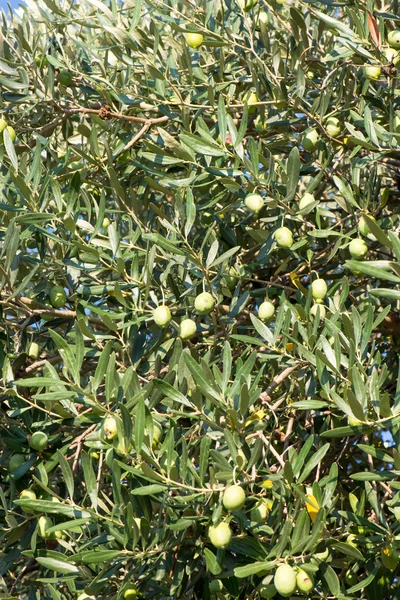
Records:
x=254, y=202
x=285, y=580
x=157, y=433
x=318, y=307
x=306, y=200
x=194, y=40
x=266, y=310
x=263, y=17
x=39, y=441
x=106, y=222
x=3, y=125
x=27, y=495
x=64, y=78
x=363, y=227
x=247, y=5
x=187, y=329
x=310, y=140
x=162, y=315
x=333, y=127
x=44, y=523
x=204, y=303
x=284, y=237
x=394, y=39
x=110, y=428
x=16, y=461
x=252, y=98
x=358, y=249
x=33, y=350
x=231, y=280
x=268, y=590
x=351, y=578
x=233, y=498
x=319, y=289
x=130, y=593
x=260, y=123
x=304, y=581
x=216, y=586
x=372, y=72
x=220, y=535
x=58, y=297
x=391, y=55
x=12, y=133
x=259, y=513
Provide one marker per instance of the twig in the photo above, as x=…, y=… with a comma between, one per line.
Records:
x=78, y=443
x=265, y=396
x=137, y=137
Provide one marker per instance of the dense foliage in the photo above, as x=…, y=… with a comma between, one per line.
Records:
x=241, y=181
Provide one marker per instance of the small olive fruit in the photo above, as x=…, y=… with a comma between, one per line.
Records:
x=130, y=593
x=231, y=279
x=372, y=72
x=12, y=133
x=27, y=495
x=110, y=428
x=363, y=227
x=351, y=578
x=266, y=310
x=306, y=200
x=216, y=585
x=16, y=461
x=285, y=580
x=358, y=249
x=310, y=140
x=333, y=127
x=318, y=307
x=58, y=297
x=39, y=441
x=157, y=433
x=251, y=99
x=259, y=513
x=304, y=581
x=194, y=40
x=187, y=329
x=319, y=289
x=391, y=55
x=106, y=222
x=162, y=315
x=263, y=17
x=220, y=535
x=284, y=237
x=64, y=78
x=3, y=125
x=33, y=350
x=268, y=590
x=44, y=524
x=247, y=5
x=234, y=498
x=394, y=39
x=204, y=303
x=254, y=202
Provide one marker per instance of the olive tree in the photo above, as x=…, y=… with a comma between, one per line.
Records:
x=200, y=268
